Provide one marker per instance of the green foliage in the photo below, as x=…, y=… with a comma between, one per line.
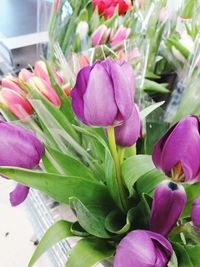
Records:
x=54, y=234
x=89, y=251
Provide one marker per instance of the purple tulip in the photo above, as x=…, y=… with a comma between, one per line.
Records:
x=18, y=195
x=19, y=148
x=142, y=248
x=195, y=214
x=168, y=203
x=127, y=134
x=104, y=92
x=177, y=152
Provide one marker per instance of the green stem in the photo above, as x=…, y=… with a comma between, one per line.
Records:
x=113, y=149
x=121, y=151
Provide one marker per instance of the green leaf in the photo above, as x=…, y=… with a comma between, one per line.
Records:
x=182, y=256
x=87, y=252
x=134, y=167
x=154, y=131
x=194, y=252
x=145, y=112
x=182, y=49
x=154, y=87
x=78, y=230
x=109, y=167
x=192, y=191
x=54, y=234
x=148, y=182
x=91, y=217
x=141, y=213
x=70, y=166
x=61, y=188
x=117, y=222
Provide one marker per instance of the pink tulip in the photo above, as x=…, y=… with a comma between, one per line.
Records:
x=15, y=103
x=45, y=89
x=40, y=70
x=56, y=5
x=25, y=75
x=121, y=35
x=101, y=35
x=12, y=83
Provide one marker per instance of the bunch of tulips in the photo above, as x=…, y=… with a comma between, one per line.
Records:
x=102, y=101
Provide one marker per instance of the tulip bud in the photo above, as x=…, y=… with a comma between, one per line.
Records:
x=168, y=202
x=56, y=5
x=127, y=134
x=19, y=148
x=121, y=35
x=12, y=83
x=101, y=35
x=142, y=248
x=82, y=30
x=25, y=75
x=40, y=70
x=103, y=94
x=45, y=89
x=195, y=214
x=177, y=152
x=15, y=103
x=18, y=195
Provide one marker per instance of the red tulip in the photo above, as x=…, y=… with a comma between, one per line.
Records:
x=107, y=7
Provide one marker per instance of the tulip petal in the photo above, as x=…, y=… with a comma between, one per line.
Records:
x=195, y=214
x=142, y=248
x=183, y=144
x=168, y=203
x=16, y=103
x=123, y=80
x=128, y=133
x=22, y=144
x=156, y=156
x=78, y=91
x=99, y=101
x=18, y=195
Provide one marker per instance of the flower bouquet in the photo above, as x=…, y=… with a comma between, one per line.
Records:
x=85, y=139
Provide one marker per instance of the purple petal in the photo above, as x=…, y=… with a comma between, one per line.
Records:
x=157, y=153
x=128, y=133
x=123, y=80
x=136, y=249
x=19, y=147
x=183, y=145
x=195, y=214
x=168, y=203
x=163, y=249
x=78, y=91
x=100, y=108
x=142, y=248
x=18, y=195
